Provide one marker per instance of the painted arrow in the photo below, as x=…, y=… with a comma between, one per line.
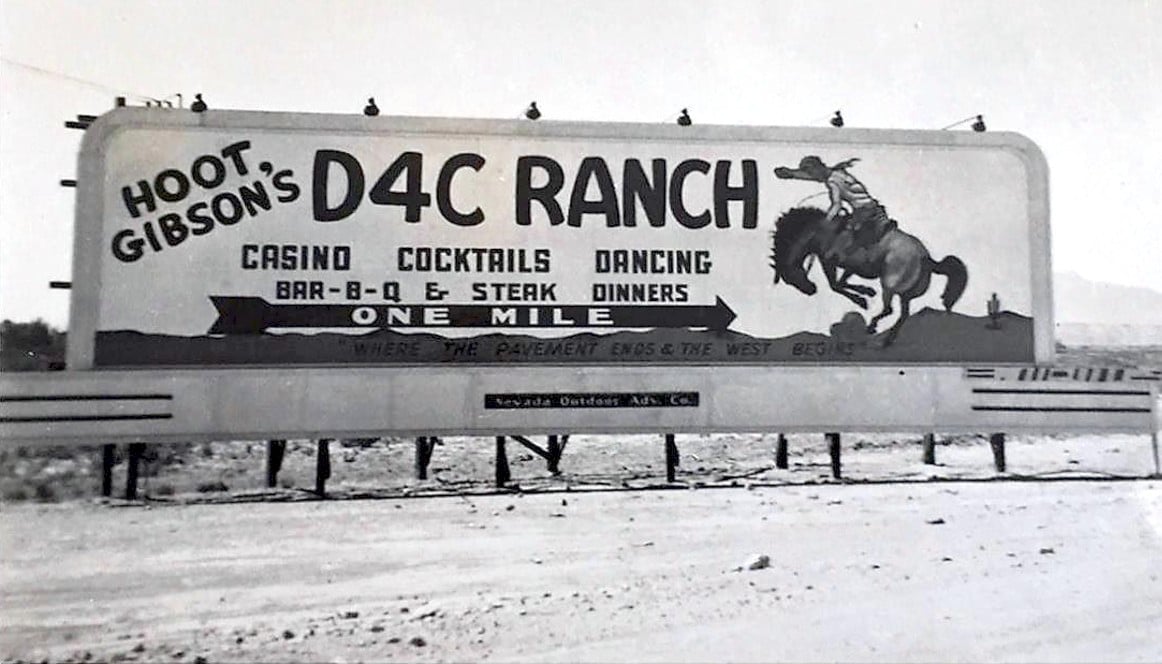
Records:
x=254, y=315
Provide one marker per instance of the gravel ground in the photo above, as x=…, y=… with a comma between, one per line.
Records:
x=889, y=566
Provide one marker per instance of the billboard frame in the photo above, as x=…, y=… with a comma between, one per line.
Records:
x=88, y=248
x=159, y=404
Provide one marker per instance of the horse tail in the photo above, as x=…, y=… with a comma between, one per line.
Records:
x=787, y=252
x=953, y=268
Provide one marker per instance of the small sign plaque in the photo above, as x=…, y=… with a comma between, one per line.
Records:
x=522, y=400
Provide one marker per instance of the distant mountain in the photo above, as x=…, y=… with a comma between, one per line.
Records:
x=1079, y=300
x=1092, y=313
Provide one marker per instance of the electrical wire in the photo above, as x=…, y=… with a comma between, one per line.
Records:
x=74, y=79
x=958, y=122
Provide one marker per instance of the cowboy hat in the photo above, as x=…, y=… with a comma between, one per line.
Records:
x=810, y=168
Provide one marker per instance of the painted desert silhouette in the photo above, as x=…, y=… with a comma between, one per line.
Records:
x=929, y=336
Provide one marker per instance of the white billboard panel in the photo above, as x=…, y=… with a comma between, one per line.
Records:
x=86, y=407
x=276, y=240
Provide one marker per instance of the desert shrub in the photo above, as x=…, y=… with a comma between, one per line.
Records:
x=34, y=346
x=361, y=443
x=61, y=452
x=212, y=486
x=167, y=454
x=55, y=452
x=45, y=493
x=15, y=494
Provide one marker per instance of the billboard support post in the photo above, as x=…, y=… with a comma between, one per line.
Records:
x=424, y=448
x=554, y=457
x=997, y=442
x=502, y=472
x=781, y=452
x=930, y=449
x=136, y=451
x=833, y=450
x=551, y=452
x=672, y=459
x=322, y=467
x=275, y=451
x=1154, y=447
x=107, y=453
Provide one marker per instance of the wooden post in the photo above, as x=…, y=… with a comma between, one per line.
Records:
x=107, y=454
x=551, y=453
x=672, y=460
x=421, y=463
x=502, y=473
x=930, y=449
x=997, y=442
x=323, y=467
x=554, y=457
x=424, y=447
x=833, y=449
x=781, y=452
x=275, y=451
x=136, y=451
x=1154, y=446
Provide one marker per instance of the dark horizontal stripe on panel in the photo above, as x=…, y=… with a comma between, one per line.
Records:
x=1059, y=409
x=89, y=397
x=87, y=418
x=1127, y=393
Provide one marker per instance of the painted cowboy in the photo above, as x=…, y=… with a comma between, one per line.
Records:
x=866, y=222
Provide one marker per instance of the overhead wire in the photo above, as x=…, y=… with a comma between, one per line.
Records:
x=958, y=122
x=76, y=79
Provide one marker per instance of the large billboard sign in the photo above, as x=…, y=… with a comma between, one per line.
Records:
x=238, y=239
x=263, y=275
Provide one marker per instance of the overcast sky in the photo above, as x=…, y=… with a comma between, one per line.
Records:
x=1081, y=78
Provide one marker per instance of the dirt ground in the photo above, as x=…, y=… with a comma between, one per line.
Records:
x=1058, y=563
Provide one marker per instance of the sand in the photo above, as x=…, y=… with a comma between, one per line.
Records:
x=887, y=568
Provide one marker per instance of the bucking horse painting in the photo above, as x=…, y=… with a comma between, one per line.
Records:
x=861, y=242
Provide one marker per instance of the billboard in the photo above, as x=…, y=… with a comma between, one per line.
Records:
x=243, y=239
